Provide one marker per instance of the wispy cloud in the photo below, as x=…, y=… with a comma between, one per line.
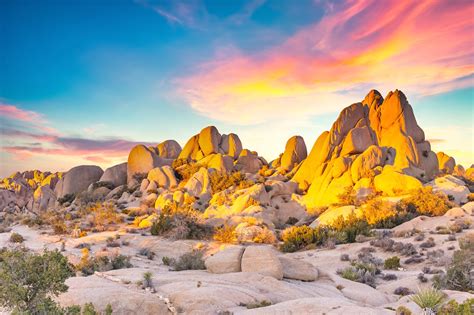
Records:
x=420, y=47
x=246, y=12
x=189, y=13
x=35, y=120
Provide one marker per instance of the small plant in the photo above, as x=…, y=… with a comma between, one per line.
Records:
x=16, y=238
x=428, y=243
x=344, y=257
x=147, y=280
x=263, y=303
x=112, y=242
x=454, y=308
x=402, y=291
x=402, y=310
x=147, y=252
x=166, y=260
x=66, y=199
x=392, y=263
x=429, y=299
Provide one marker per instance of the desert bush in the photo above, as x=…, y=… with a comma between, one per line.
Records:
x=112, y=242
x=402, y=310
x=350, y=227
x=221, y=181
x=389, y=277
x=429, y=299
x=186, y=170
x=66, y=199
x=16, y=238
x=264, y=236
x=454, y=308
x=148, y=253
x=180, y=223
x=251, y=202
x=458, y=273
x=344, y=257
x=259, y=304
x=348, y=197
x=29, y=280
x=358, y=272
x=225, y=234
x=189, y=261
x=377, y=211
x=101, y=214
x=88, y=265
x=392, y=263
x=426, y=202
x=296, y=237
x=402, y=291
x=428, y=243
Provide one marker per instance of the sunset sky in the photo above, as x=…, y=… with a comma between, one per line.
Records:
x=81, y=82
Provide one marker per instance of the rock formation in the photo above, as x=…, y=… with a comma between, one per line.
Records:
x=376, y=137
x=140, y=161
x=78, y=179
x=446, y=163
x=117, y=175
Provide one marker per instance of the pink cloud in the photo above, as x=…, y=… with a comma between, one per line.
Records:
x=34, y=119
x=422, y=47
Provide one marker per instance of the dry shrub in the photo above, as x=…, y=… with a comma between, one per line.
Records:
x=101, y=214
x=221, y=181
x=265, y=236
x=376, y=211
x=426, y=202
x=296, y=237
x=225, y=234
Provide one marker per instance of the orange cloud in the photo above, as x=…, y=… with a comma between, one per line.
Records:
x=422, y=47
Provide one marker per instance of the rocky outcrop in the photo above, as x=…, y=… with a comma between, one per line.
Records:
x=248, y=162
x=43, y=198
x=169, y=149
x=209, y=141
x=199, y=184
x=117, y=175
x=446, y=163
x=140, y=161
x=295, y=152
x=365, y=138
x=78, y=179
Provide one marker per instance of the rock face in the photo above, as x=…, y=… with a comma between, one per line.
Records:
x=78, y=179
x=263, y=260
x=117, y=175
x=226, y=261
x=209, y=141
x=43, y=198
x=295, y=152
x=169, y=149
x=446, y=163
x=140, y=161
x=365, y=138
x=163, y=176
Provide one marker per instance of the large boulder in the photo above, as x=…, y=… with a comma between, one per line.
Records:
x=392, y=182
x=199, y=184
x=169, y=149
x=295, y=153
x=446, y=163
x=209, y=139
x=78, y=179
x=117, y=175
x=262, y=260
x=248, y=162
x=225, y=261
x=140, y=161
x=298, y=269
x=231, y=145
x=451, y=186
x=163, y=176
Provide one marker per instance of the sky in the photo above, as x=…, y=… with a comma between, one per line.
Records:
x=81, y=82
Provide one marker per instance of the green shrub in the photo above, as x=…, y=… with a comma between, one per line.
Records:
x=188, y=261
x=221, y=181
x=454, y=308
x=29, y=280
x=296, y=237
x=392, y=263
x=351, y=227
x=458, y=273
x=16, y=238
x=147, y=280
x=429, y=299
x=402, y=310
x=263, y=303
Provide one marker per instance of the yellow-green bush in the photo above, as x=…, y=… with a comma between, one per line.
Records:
x=225, y=234
x=377, y=210
x=426, y=202
x=221, y=181
x=296, y=237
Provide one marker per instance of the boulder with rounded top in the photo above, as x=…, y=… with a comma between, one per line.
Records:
x=295, y=152
x=169, y=149
x=140, y=161
x=78, y=179
x=117, y=175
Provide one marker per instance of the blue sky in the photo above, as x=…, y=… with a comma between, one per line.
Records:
x=122, y=72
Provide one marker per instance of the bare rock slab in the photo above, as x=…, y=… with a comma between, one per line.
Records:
x=263, y=260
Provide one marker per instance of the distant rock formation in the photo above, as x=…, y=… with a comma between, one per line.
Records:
x=295, y=152
x=376, y=137
x=446, y=163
